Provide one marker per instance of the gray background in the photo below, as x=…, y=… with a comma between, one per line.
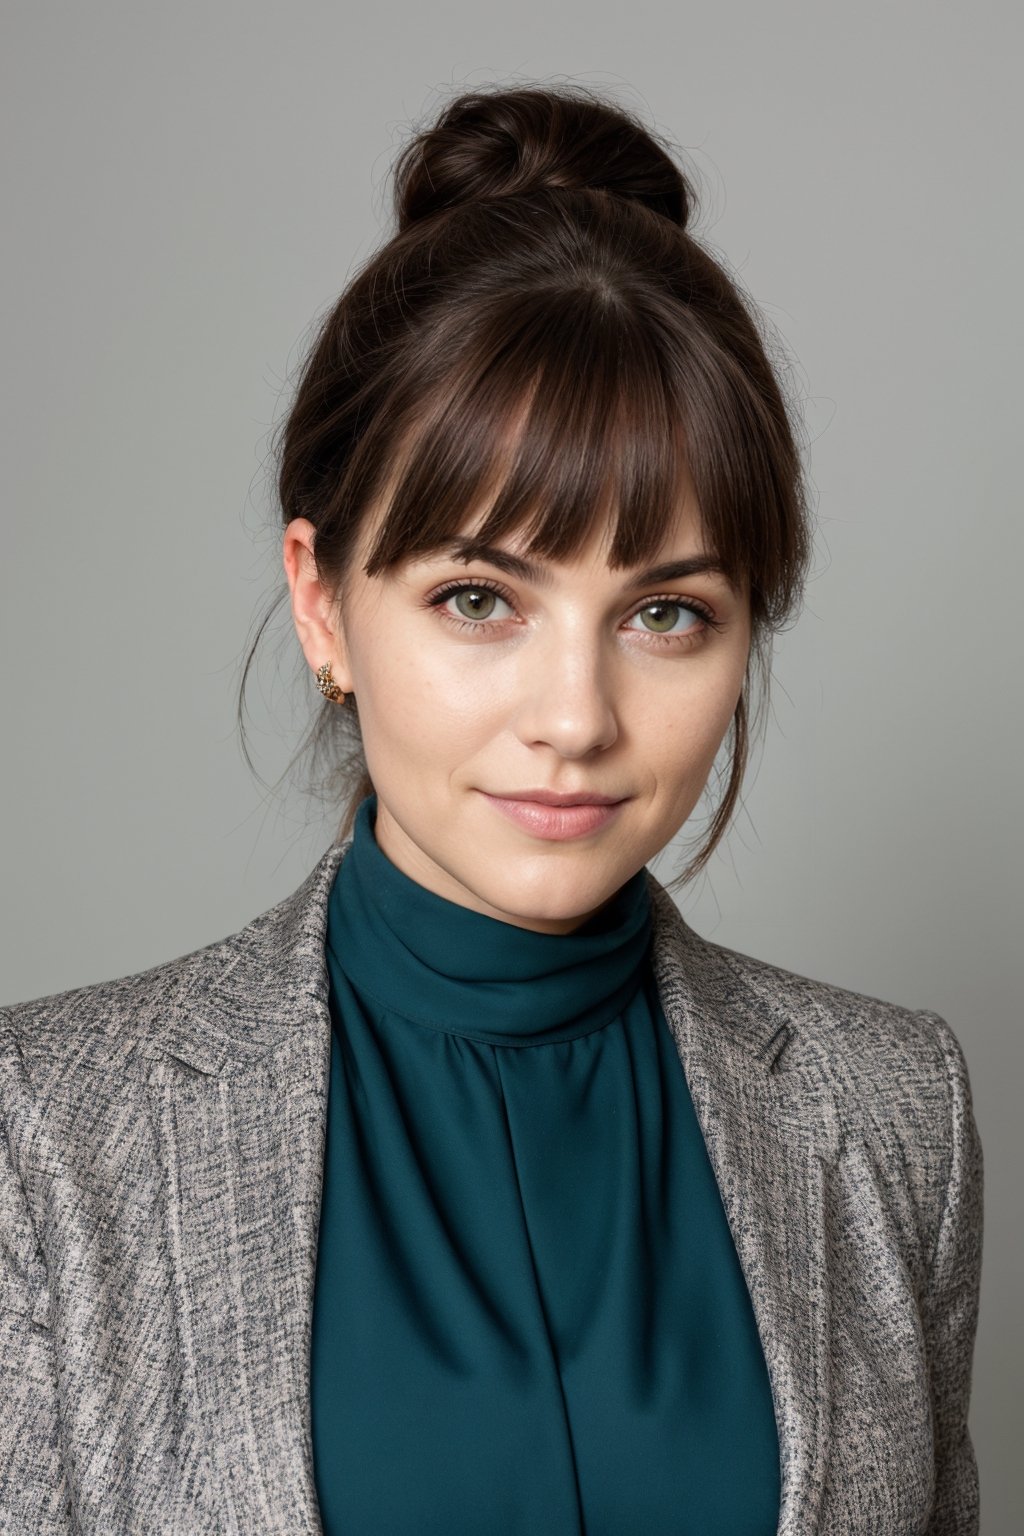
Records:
x=185, y=189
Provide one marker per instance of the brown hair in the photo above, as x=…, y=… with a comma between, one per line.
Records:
x=543, y=273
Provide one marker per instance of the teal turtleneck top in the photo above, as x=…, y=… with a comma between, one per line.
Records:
x=529, y=1316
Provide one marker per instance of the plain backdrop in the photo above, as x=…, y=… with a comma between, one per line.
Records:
x=185, y=189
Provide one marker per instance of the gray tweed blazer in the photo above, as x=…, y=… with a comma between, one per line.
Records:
x=160, y=1178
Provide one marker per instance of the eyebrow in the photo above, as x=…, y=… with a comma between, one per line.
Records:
x=467, y=548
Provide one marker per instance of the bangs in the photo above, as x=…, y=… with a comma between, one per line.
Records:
x=570, y=412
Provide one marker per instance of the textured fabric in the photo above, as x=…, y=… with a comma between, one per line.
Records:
x=161, y=1162
x=526, y=1286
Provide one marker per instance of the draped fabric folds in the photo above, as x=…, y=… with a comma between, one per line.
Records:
x=529, y=1314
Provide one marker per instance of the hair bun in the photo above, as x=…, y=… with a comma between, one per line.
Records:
x=508, y=143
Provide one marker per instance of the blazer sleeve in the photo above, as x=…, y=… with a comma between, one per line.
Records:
x=33, y=1486
x=950, y=1313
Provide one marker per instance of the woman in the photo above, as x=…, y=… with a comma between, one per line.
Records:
x=469, y=1189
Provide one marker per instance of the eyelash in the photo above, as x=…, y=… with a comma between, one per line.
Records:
x=689, y=638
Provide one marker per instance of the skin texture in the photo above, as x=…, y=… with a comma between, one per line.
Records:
x=569, y=686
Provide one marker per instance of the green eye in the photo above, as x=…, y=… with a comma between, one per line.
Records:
x=479, y=602
x=475, y=600
x=475, y=607
x=666, y=615
x=667, y=611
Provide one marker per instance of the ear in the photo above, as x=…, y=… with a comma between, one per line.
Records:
x=321, y=635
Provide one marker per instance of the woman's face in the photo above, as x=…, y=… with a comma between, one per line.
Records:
x=473, y=681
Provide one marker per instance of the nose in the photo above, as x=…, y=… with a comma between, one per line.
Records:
x=567, y=699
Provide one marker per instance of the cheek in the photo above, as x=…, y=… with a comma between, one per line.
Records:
x=428, y=701
x=681, y=743
x=690, y=717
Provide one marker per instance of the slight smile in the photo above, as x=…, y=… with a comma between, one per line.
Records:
x=556, y=823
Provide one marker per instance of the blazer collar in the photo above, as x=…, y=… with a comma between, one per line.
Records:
x=239, y=1065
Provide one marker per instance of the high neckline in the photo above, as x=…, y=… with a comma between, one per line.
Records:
x=437, y=963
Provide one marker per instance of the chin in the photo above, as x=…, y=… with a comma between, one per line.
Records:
x=553, y=904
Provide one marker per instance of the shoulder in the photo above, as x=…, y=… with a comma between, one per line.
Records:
x=234, y=997
x=71, y=1062
x=896, y=1080
x=76, y=1065
x=99, y=1024
x=865, y=1043
x=885, y=1066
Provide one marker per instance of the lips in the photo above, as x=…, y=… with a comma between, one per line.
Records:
x=556, y=797
x=556, y=823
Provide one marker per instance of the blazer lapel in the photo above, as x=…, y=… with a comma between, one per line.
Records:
x=769, y=1125
x=237, y=1092
x=237, y=1089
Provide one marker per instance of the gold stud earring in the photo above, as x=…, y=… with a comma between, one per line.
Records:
x=327, y=686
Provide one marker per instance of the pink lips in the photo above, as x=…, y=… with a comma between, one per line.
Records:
x=556, y=822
